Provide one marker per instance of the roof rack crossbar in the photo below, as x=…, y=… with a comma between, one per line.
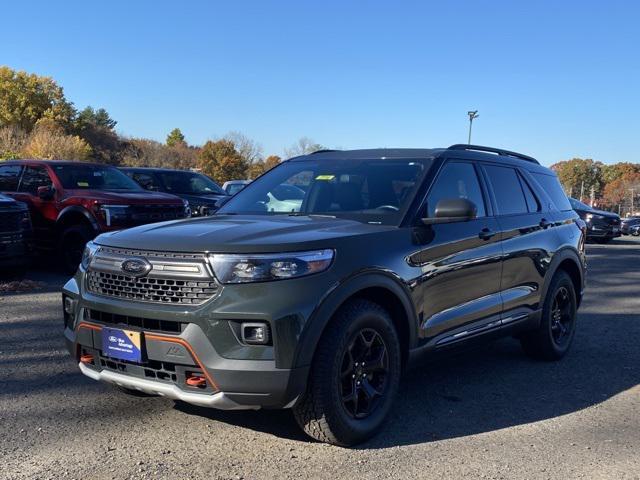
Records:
x=498, y=151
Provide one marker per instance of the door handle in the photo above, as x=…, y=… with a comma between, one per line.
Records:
x=486, y=233
x=544, y=223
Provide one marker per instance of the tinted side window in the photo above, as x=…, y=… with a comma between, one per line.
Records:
x=456, y=180
x=33, y=178
x=146, y=181
x=507, y=190
x=553, y=188
x=532, y=202
x=9, y=175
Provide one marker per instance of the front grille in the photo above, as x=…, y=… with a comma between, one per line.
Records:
x=148, y=289
x=164, y=326
x=174, y=278
x=140, y=214
x=10, y=221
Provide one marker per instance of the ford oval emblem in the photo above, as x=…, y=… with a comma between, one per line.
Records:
x=137, y=267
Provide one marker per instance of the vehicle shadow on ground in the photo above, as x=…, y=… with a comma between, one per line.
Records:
x=488, y=389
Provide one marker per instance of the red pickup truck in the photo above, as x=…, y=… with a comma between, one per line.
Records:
x=72, y=202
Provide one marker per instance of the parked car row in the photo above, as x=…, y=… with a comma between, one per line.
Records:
x=58, y=206
x=602, y=226
x=15, y=234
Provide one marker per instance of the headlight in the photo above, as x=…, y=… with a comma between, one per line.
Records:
x=114, y=214
x=237, y=268
x=588, y=217
x=90, y=250
x=187, y=208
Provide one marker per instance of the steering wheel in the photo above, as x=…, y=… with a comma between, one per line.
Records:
x=393, y=208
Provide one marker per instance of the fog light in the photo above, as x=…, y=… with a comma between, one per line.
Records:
x=68, y=305
x=255, y=333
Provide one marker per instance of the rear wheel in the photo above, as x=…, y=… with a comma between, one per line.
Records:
x=354, y=376
x=72, y=242
x=552, y=339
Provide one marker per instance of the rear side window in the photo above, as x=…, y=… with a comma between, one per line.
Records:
x=532, y=202
x=33, y=178
x=456, y=180
x=507, y=190
x=552, y=186
x=9, y=175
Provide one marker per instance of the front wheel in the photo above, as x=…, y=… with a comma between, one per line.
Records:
x=72, y=242
x=552, y=339
x=354, y=376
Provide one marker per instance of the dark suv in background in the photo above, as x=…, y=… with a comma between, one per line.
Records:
x=72, y=202
x=15, y=235
x=318, y=303
x=203, y=194
x=602, y=226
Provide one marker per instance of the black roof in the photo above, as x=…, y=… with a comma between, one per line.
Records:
x=158, y=169
x=459, y=150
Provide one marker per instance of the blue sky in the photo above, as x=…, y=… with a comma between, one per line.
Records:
x=551, y=79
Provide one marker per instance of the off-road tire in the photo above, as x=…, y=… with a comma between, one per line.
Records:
x=321, y=412
x=541, y=343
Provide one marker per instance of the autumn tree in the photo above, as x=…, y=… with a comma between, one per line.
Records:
x=579, y=175
x=48, y=141
x=12, y=142
x=258, y=168
x=249, y=150
x=26, y=98
x=176, y=138
x=142, y=152
x=620, y=191
x=617, y=170
x=221, y=161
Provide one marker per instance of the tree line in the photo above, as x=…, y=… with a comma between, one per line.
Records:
x=38, y=121
x=613, y=187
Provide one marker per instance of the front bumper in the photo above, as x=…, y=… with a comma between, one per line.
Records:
x=241, y=376
x=218, y=400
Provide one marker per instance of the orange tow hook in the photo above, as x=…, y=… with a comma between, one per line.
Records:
x=87, y=358
x=196, y=381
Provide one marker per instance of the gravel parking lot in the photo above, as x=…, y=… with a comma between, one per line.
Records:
x=492, y=413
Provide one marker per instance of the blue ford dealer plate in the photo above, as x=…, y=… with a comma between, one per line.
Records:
x=122, y=344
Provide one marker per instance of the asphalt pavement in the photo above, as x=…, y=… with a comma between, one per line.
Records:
x=490, y=413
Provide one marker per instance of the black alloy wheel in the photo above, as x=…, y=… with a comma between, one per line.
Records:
x=365, y=365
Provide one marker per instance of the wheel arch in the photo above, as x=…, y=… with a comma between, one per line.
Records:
x=378, y=287
x=74, y=215
x=569, y=261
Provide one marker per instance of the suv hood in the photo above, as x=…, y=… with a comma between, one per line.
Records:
x=126, y=198
x=604, y=213
x=240, y=233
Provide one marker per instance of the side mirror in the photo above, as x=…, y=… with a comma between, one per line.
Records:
x=45, y=193
x=449, y=210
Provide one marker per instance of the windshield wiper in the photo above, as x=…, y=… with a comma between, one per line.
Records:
x=302, y=214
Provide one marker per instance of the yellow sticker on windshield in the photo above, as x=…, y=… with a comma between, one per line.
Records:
x=325, y=177
x=83, y=184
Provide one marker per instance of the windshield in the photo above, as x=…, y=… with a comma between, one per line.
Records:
x=189, y=183
x=94, y=177
x=579, y=205
x=373, y=191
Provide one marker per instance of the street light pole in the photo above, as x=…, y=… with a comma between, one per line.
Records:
x=472, y=115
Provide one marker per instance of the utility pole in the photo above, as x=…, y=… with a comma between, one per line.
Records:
x=632, y=192
x=472, y=116
x=581, y=190
x=593, y=195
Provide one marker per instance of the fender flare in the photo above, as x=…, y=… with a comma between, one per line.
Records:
x=77, y=209
x=340, y=293
x=566, y=253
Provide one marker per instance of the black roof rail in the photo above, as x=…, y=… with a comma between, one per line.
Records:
x=324, y=150
x=498, y=151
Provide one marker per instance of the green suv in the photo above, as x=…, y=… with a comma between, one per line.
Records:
x=317, y=302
